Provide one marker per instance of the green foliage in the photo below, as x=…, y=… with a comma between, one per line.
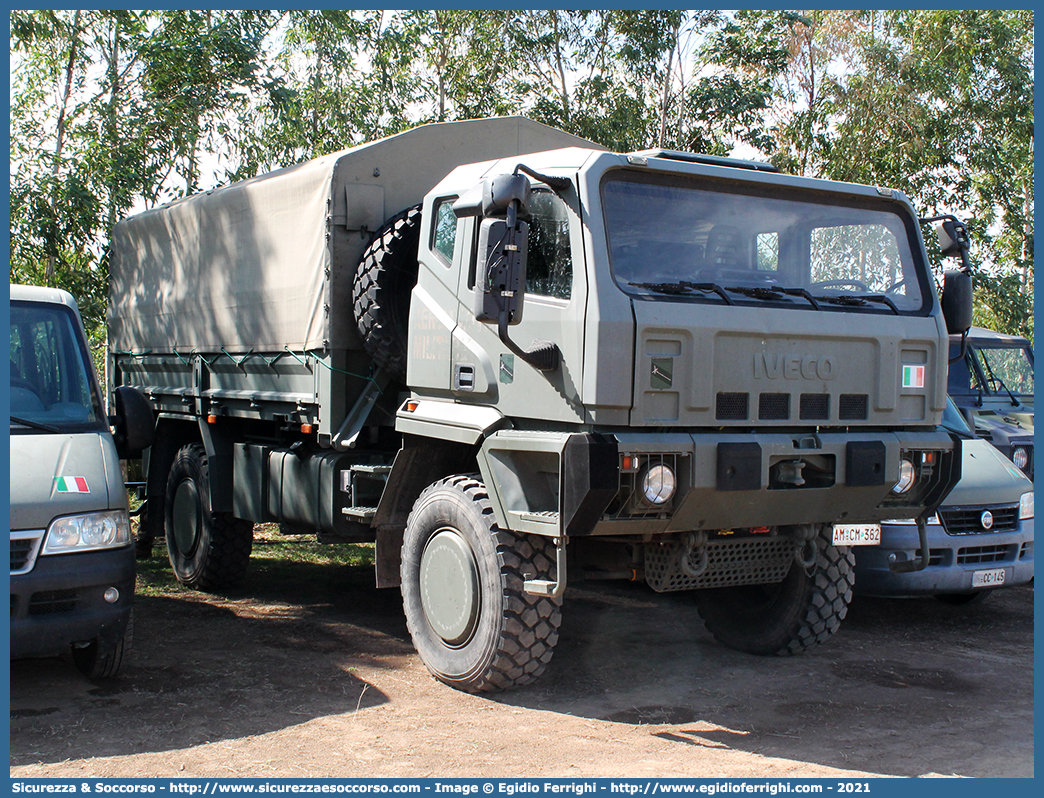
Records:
x=115, y=111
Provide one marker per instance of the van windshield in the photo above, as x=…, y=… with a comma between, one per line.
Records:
x=52, y=382
x=697, y=239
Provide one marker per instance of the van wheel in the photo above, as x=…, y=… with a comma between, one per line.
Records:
x=103, y=659
x=788, y=617
x=384, y=280
x=473, y=624
x=207, y=550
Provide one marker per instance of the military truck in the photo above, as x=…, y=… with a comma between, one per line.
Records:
x=508, y=357
x=991, y=381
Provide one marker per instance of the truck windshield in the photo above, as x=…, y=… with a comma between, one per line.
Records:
x=52, y=384
x=697, y=239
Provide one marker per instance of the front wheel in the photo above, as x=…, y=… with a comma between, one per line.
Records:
x=207, y=550
x=788, y=617
x=102, y=658
x=473, y=624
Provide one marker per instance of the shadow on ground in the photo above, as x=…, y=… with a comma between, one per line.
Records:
x=908, y=687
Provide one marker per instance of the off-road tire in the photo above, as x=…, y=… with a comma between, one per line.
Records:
x=384, y=280
x=103, y=659
x=802, y=611
x=514, y=632
x=964, y=599
x=207, y=550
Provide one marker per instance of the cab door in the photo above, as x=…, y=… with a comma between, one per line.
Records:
x=485, y=370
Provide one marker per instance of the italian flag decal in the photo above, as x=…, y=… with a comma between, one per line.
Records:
x=72, y=485
x=913, y=376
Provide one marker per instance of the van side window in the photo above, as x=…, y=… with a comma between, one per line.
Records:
x=444, y=229
x=549, y=270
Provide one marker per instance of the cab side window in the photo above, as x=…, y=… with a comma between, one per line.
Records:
x=549, y=270
x=444, y=229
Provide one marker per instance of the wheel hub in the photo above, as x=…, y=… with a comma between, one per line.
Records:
x=449, y=588
x=186, y=517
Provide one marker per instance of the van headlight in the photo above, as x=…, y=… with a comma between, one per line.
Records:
x=1026, y=506
x=659, y=484
x=89, y=532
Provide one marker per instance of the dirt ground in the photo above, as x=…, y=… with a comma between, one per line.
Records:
x=322, y=681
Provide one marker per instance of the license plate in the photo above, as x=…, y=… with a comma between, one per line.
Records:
x=988, y=578
x=857, y=534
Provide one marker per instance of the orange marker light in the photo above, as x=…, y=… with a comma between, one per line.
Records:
x=212, y=419
x=412, y=405
x=306, y=429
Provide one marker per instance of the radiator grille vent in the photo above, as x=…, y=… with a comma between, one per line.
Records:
x=774, y=406
x=852, y=407
x=732, y=407
x=815, y=406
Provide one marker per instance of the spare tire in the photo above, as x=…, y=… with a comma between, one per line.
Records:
x=384, y=279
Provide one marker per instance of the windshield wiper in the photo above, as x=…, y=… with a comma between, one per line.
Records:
x=856, y=301
x=665, y=288
x=685, y=287
x=769, y=292
x=33, y=424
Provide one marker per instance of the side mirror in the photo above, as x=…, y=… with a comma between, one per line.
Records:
x=957, y=301
x=500, y=279
x=953, y=239
x=493, y=196
x=134, y=422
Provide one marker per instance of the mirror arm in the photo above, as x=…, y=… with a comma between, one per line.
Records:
x=556, y=184
x=964, y=349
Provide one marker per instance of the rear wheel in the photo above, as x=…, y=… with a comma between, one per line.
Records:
x=803, y=610
x=207, y=550
x=473, y=624
x=103, y=659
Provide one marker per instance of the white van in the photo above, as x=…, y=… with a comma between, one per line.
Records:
x=72, y=553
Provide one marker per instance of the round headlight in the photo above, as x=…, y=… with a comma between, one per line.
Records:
x=659, y=484
x=906, y=477
x=1020, y=456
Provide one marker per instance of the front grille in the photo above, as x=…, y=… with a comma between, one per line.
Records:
x=24, y=548
x=852, y=407
x=732, y=407
x=973, y=555
x=935, y=556
x=747, y=561
x=815, y=406
x=968, y=520
x=50, y=601
x=774, y=406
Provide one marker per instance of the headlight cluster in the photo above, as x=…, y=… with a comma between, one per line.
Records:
x=75, y=533
x=1020, y=457
x=1026, y=506
x=659, y=484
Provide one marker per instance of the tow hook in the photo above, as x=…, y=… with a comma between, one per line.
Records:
x=806, y=551
x=694, y=541
x=909, y=566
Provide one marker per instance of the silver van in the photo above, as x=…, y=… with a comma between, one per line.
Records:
x=72, y=553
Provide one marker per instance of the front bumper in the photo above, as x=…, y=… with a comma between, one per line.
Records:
x=953, y=560
x=59, y=602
